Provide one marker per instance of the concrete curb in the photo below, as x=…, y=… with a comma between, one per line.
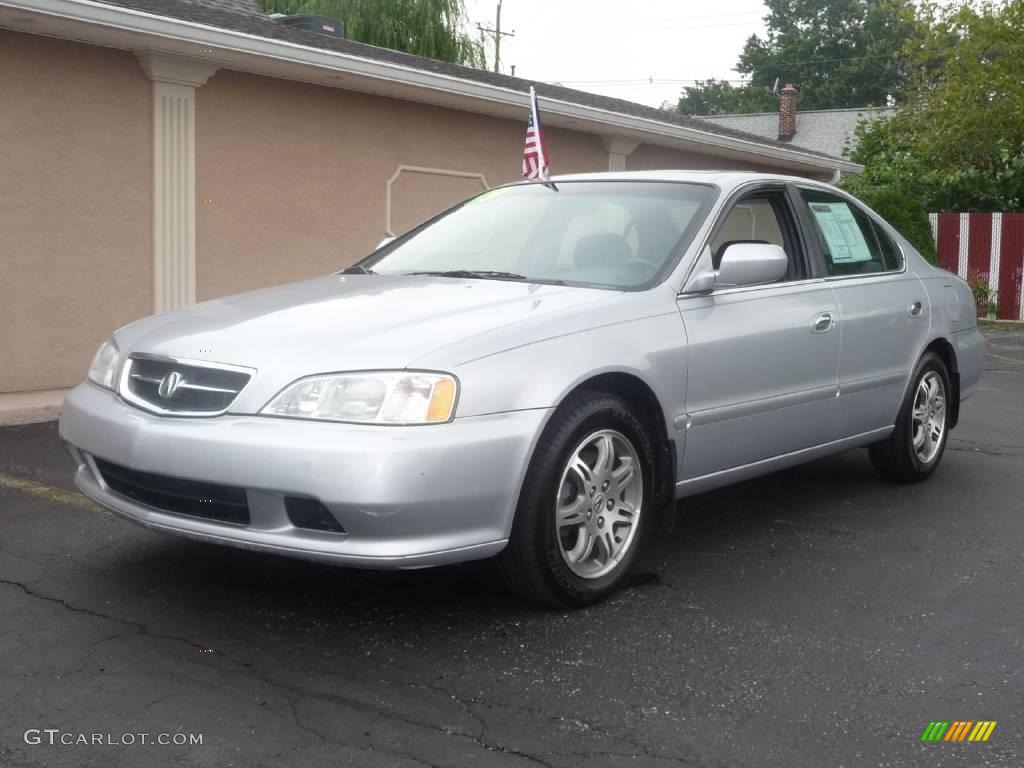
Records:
x=1000, y=325
x=31, y=407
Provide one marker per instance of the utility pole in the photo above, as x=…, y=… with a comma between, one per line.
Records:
x=496, y=34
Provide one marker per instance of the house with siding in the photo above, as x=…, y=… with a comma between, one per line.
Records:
x=156, y=153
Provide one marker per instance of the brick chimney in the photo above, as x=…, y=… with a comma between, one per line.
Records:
x=787, y=112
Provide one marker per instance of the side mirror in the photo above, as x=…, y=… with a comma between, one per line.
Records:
x=742, y=264
x=383, y=242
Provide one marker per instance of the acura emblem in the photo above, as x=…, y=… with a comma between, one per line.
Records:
x=170, y=384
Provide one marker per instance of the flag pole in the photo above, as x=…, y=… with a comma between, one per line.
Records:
x=536, y=116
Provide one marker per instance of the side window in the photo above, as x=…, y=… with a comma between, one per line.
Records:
x=891, y=253
x=851, y=243
x=762, y=217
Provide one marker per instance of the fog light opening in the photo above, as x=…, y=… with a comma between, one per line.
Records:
x=310, y=515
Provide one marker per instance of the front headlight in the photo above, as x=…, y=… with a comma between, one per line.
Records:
x=103, y=370
x=373, y=397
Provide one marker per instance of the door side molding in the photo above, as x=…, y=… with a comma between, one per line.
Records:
x=761, y=405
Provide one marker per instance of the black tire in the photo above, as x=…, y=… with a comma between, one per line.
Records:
x=532, y=564
x=895, y=458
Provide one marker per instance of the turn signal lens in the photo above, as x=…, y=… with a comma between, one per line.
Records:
x=442, y=401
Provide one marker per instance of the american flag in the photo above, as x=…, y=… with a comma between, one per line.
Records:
x=535, y=154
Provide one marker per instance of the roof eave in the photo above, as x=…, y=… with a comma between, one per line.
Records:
x=103, y=24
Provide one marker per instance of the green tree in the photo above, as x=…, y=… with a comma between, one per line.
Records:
x=841, y=53
x=434, y=29
x=958, y=144
x=904, y=210
x=720, y=97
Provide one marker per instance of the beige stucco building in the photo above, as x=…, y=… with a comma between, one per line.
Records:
x=157, y=153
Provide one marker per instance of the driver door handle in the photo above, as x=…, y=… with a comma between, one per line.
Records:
x=822, y=323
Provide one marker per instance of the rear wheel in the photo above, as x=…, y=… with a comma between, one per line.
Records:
x=584, y=505
x=914, y=449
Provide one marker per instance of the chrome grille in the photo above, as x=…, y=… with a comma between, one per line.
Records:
x=181, y=387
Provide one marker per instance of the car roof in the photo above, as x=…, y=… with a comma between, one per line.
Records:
x=723, y=179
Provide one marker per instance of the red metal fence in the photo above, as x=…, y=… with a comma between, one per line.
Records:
x=985, y=249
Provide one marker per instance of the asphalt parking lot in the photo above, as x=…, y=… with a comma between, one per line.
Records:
x=815, y=617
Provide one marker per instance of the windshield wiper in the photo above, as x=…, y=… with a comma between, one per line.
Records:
x=488, y=274
x=481, y=273
x=357, y=270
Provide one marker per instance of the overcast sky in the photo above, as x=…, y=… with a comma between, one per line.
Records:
x=616, y=49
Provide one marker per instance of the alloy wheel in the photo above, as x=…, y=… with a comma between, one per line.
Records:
x=600, y=500
x=928, y=418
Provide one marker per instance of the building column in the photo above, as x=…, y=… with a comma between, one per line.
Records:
x=618, y=150
x=175, y=79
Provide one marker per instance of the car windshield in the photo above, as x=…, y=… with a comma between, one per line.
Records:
x=609, y=234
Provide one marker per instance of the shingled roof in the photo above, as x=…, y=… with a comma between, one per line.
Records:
x=245, y=16
x=827, y=131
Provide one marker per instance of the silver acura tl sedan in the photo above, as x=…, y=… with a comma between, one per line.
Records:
x=535, y=375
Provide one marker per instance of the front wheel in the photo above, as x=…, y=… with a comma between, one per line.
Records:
x=914, y=449
x=584, y=505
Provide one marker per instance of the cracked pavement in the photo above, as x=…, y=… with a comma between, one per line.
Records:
x=818, y=616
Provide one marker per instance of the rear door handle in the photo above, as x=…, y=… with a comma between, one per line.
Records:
x=822, y=323
x=916, y=309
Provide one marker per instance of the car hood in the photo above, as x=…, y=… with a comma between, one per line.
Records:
x=345, y=322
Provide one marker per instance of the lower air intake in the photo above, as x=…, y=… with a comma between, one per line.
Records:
x=209, y=501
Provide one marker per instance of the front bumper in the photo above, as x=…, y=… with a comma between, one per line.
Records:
x=407, y=497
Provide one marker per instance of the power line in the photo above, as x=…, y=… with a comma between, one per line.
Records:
x=692, y=18
x=682, y=27
x=673, y=80
x=656, y=27
x=826, y=61
x=642, y=81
